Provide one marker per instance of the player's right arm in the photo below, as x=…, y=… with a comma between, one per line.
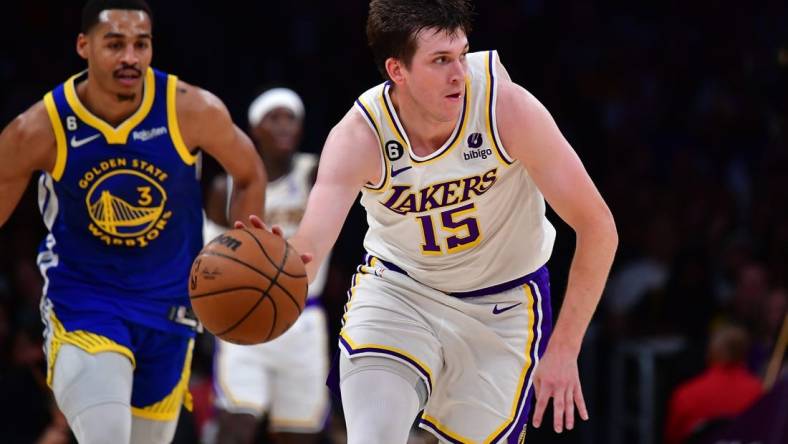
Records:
x=350, y=159
x=27, y=145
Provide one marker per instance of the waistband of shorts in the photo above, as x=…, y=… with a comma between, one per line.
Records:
x=493, y=289
x=313, y=302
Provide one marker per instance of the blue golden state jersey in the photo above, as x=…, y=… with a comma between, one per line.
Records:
x=124, y=210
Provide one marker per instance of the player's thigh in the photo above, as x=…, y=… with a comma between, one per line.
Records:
x=81, y=380
x=391, y=318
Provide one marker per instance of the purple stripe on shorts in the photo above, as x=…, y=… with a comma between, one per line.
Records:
x=435, y=429
x=537, y=276
x=540, y=289
x=351, y=351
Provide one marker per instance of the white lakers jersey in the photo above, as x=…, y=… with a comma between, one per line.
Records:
x=464, y=218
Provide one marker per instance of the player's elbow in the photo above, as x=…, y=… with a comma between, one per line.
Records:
x=599, y=227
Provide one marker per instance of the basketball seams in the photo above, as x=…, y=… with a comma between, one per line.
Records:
x=224, y=290
x=262, y=298
x=273, y=280
x=253, y=314
x=265, y=253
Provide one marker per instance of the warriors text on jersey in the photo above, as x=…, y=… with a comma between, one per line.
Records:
x=466, y=217
x=123, y=209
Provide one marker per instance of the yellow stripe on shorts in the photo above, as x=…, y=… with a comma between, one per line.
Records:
x=90, y=342
x=168, y=408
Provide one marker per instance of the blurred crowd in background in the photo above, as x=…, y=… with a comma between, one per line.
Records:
x=679, y=111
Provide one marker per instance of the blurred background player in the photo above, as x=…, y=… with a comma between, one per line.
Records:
x=285, y=378
x=119, y=193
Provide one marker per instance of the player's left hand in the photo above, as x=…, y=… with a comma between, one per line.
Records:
x=557, y=377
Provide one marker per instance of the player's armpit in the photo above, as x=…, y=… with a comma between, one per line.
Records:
x=206, y=123
x=27, y=145
x=351, y=157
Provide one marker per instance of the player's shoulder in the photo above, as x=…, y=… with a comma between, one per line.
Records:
x=195, y=101
x=31, y=126
x=32, y=136
x=354, y=128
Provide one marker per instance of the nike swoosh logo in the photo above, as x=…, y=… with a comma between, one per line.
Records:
x=395, y=173
x=76, y=143
x=497, y=310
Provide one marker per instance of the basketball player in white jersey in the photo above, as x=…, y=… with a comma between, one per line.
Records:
x=450, y=310
x=284, y=378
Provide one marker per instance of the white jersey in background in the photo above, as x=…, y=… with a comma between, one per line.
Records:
x=284, y=377
x=430, y=216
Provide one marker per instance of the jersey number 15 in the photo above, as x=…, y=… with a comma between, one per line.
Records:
x=464, y=232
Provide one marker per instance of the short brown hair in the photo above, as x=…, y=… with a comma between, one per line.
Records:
x=392, y=25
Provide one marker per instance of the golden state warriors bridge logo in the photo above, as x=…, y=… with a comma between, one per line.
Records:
x=126, y=201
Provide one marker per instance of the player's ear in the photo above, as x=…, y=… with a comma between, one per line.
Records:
x=82, y=45
x=395, y=70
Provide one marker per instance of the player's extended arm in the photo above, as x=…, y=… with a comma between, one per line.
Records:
x=27, y=144
x=530, y=135
x=206, y=123
x=351, y=157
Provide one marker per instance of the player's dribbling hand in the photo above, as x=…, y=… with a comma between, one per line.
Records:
x=557, y=377
x=256, y=222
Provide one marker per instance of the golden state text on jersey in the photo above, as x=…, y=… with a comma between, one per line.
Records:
x=122, y=205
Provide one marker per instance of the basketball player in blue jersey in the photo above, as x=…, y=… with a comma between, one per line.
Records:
x=119, y=192
x=450, y=311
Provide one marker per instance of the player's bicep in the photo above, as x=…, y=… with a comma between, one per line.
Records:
x=349, y=159
x=27, y=144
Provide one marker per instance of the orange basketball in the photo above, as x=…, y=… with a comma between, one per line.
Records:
x=248, y=286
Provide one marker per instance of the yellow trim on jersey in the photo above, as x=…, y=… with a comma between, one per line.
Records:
x=60, y=137
x=528, y=363
x=487, y=111
x=90, y=342
x=113, y=135
x=384, y=182
x=257, y=407
x=355, y=281
x=172, y=123
x=168, y=408
x=314, y=423
x=458, y=135
x=354, y=346
x=445, y=430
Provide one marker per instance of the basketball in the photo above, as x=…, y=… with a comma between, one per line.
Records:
x=248, y=286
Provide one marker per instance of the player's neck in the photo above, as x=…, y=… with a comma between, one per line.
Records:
x=425, y=133
x=276, y=168
x=108, y=106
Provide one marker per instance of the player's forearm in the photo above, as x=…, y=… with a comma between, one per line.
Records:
x=594, y=251
x=247, y=199
x=303, y=244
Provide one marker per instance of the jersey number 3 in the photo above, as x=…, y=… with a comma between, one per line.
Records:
x=464, y=232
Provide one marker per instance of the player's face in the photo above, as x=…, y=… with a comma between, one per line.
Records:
x=436, y=76
x=118, y=50
x=278, y=133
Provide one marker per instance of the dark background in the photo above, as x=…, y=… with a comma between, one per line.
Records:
x=677, y=108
